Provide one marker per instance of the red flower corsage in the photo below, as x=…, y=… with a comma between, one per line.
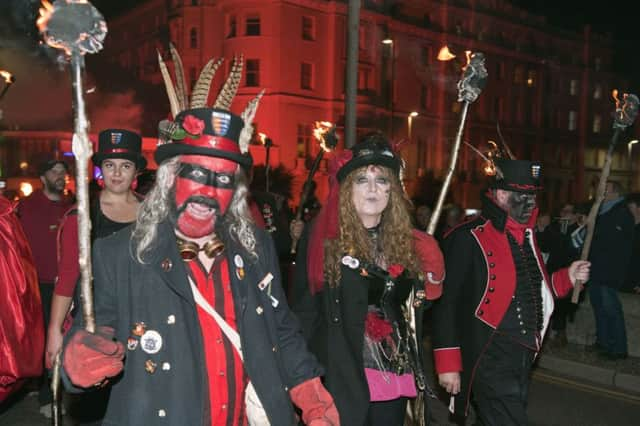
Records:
x=395, y=270
x=376, y=328
x=194, y=126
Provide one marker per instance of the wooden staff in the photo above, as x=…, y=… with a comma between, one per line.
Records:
x=625, y=115
x=474, y=78
x=77, y=28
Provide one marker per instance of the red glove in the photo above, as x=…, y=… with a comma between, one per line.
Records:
x=318, y=408
x=89, y=358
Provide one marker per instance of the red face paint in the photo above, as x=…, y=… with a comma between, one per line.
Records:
x=204, y=189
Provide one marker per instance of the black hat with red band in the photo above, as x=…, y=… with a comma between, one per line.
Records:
x=119, y=143
x=517, y=175
x=206, y=131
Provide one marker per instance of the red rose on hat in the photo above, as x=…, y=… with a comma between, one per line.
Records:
x=193, y=125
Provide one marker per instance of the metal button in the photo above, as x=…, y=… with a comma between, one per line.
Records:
x=166, y=366
x=219, y=341
x=521, y=323
x=518, y=309
x=480, y=312
x=171, y=319
x=493, y=277
x=286, y=388
x=481, y=229
x=162, y=413
x=259, y=310
x=492, y=289
x=224, y=406
x=524, y=332
x=337, y=300
x=166, y=265
x=486, y=300
x=492, y=265
x=336, y=320
x=274, y=349
x=221, y=373
x=519, y=316
x=489, y=253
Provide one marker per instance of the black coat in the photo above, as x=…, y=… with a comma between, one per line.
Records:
x=612, y=246
x=158, y=294
x=333, y=322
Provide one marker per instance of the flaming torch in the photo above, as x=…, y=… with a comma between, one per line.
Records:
x=76, y=28
x=474, y=78
x=267, y=143
x=624, y=115
x=9, y=79
x=325, y=134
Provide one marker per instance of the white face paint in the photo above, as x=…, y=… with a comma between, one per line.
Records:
x=371, y=192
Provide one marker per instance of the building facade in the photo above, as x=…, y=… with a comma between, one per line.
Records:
x=549, y=89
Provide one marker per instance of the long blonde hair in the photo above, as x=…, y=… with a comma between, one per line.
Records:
x=395, y=231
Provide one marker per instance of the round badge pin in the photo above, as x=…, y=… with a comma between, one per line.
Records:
x=151, y=342
x=237, y=260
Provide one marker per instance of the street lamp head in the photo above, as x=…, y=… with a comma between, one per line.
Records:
x=633, y=142
x=413, y=114
x=387, y=40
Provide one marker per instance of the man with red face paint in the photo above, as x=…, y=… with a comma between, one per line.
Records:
x=192, y=296
x=497, y=299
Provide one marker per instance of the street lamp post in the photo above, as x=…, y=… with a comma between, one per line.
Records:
x=410, y=118
x=389, y=42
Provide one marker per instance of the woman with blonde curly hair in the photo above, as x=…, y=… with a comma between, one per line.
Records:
x=358, y=264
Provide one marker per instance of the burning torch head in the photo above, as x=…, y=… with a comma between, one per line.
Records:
x=474, y=78
x=72, y=25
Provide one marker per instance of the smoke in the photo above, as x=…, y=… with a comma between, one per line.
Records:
x=40, y=98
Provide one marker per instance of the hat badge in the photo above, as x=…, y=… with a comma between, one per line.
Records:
x=220, y=122
x=535, y=171
x=116, y=138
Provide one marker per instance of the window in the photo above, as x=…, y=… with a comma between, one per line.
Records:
x=500, y=71
x=193, y=38
x=364, y=78
x=308, y=28
x=597, y=63
x=425, y=98
x=252, y=25
x=597, y=123
x=425, y=56
x=573, y=120
x=573, y=87
x=232, y=25
x=306, y=76
x=518, y=75
x=497, y=108
x=252, y=76
x=597, y=92
x=531, y=78
x=192, y=77
x=303, y=140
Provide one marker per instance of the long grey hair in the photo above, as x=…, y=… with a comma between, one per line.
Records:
x=157, y=205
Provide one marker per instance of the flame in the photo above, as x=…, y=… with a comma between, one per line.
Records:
x=468, y=54
x=46, y=11
x=445, y=54
x=614, y=93
x=263, y=138
x=8, y=77
x=321, y=128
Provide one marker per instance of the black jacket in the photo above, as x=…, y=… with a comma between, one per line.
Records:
x=612, y=246
x=158, y=294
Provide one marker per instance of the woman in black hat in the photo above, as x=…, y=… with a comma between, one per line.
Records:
x=120, y=160
x=356, y=268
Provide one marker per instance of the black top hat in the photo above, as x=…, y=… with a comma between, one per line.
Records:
x=206, y=131
x=517, y=175
x=119, y=143
x=374, y=148
x=45, y=166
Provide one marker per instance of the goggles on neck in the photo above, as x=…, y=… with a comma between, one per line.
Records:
x=190, y=250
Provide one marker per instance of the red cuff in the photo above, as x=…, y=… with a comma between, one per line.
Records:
x=561, y=283
x=448, y=360
x=432, y=263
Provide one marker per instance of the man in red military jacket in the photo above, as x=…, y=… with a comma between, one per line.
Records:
x=497, y=300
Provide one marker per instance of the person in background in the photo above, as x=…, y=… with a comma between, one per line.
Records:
x=120, y=160
x=422, y=215
x=491, y=320
x=453, y=215
x=40, y=215
x=633, y=276
x=357, y=263
x=610, y=256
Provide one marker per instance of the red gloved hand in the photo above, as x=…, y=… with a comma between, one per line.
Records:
x=89, y=358
x=318, y=408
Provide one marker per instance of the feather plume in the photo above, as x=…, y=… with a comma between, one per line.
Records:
x=200, y=92
x=168, y=83
x=504, y=143
x=231, y=85
x=181, y=85
x=247, y=116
